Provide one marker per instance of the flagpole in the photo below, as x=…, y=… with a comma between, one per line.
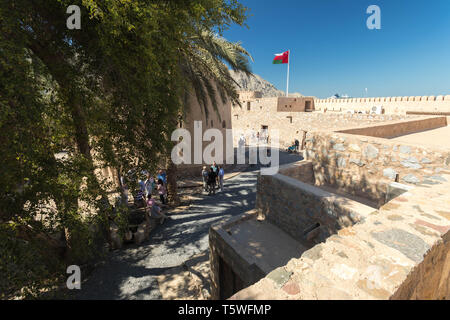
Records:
x=289, y=62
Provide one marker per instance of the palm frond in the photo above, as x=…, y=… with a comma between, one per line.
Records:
x=205, y=67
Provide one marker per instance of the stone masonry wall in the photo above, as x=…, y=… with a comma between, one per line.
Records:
x=308, y=214
x=302, y=171
x=292, y=125
x=431, y=279
x=400, y=251
x=222, y=247
x=364, y=166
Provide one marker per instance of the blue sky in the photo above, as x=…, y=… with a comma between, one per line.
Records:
x=333, y=51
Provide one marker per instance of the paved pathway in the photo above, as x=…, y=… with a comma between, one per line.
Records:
x=131, y=273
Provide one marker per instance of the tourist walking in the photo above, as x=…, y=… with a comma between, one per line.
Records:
x=124, y=183
x=216, y=171
x=297, y=144
x=205, y=178
x=221, y=176
x=163, y=176
x=162, y=191
x=149, y=185
x=212, y=181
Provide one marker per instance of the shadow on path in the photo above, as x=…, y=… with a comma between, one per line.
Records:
x=131, y=273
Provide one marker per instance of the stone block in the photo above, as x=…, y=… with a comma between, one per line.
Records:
x=410, y=178
x=405, y=149
x=371, y=152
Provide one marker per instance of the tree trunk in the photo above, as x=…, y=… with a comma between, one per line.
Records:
x=172, y=188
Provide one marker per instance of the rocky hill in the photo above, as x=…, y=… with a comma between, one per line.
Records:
x=256, y=83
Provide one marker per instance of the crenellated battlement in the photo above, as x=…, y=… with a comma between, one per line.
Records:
x=391, y=105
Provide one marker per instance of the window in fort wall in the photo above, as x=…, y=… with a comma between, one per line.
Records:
x=248, y=106
x=290, y=119
x=224, y=124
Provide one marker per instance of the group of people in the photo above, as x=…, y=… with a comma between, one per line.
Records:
x=212, y=177
x=148, y=185
x=255, y=138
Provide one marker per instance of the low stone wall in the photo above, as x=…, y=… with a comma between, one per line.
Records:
x=302, y=171
x=221, y=246
x=365, y=166
x=399, y=128
x=399, y=252
x=308, y=214
x=431, y=279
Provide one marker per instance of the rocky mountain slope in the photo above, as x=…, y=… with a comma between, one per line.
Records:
x=256, y=83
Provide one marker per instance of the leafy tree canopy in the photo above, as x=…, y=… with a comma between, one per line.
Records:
x=106, y=95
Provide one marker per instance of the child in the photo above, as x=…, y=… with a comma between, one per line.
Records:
x=155, y=210
x=162, y=191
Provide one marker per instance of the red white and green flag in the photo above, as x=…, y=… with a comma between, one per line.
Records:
x=281, y=58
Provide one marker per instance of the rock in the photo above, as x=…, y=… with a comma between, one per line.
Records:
x=411, y=179
x=116, y=239
x=339, y=147
x=438, y=178
x=411, y=165
x=412, y=160
x=390, y=173
x=341, y=162
x=354, y=148
x=407, y=243
x=371, y=152
x=310, y=154
x=405, y=149
x=358, y=162
x=256, y=83
x=280, y=276
x=139, y=235
x=426, y=161
x=128, y=235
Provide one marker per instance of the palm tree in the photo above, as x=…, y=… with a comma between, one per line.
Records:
x=204, y=65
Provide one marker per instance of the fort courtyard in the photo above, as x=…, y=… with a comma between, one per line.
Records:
x=229, y=150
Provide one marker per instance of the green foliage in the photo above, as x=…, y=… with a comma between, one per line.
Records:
x=107, y=95
x=25, y=264
x=121, y=219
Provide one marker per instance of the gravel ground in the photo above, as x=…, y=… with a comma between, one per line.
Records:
x=131, y=273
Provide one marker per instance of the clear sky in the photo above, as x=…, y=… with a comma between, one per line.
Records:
x=333, y=51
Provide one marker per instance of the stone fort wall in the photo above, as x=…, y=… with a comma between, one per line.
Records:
x=391, y=105
x=291, y=116
x=400, y=251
